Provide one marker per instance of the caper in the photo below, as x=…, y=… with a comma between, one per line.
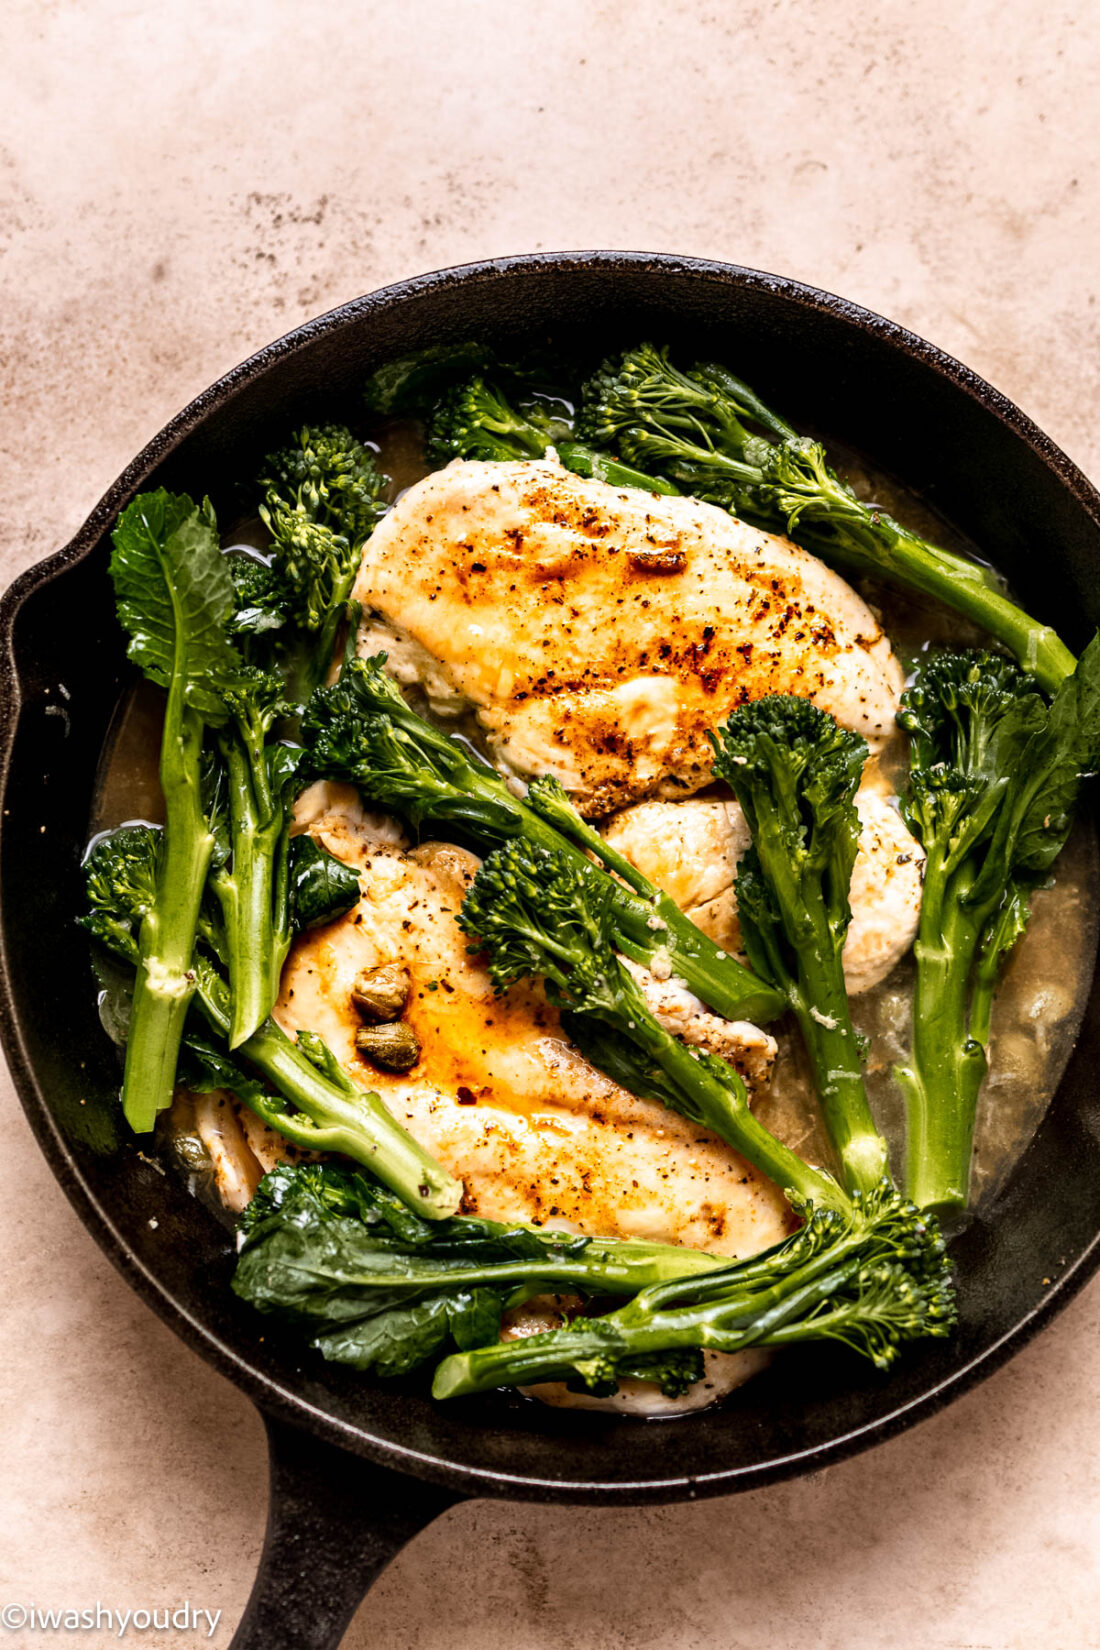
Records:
x=380, y=993
x=392, y=1047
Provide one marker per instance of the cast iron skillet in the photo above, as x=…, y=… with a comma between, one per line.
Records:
x=358, y=1466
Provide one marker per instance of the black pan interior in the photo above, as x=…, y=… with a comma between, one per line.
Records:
x=916, y=415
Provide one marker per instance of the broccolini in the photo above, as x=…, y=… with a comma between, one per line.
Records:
x=175, y=598
x=995, y=771
x=322, y=498
x=379, y=1288
x=795, y=773
x=474, y=419
x=872, y=1278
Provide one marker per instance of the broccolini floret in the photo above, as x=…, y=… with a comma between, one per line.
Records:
x=323, y=495
x=333, y=479
x=710, y=433
x=120, y=878
x=795, y=772
x=477, y=419
x=473, y=419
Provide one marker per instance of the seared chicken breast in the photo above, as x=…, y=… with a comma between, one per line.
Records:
x=691, y=850
x=597, y=633
x=498, y=1094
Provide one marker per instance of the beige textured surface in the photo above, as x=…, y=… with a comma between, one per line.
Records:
x=181, y=182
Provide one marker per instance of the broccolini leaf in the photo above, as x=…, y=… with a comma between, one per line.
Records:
x=175, y=597
x=203, y=1067
x=410, y=384
x=334, y=1250
x=390, y=1342
x=1074, y=752
x=620, y=1059
x=322, y=887
x=395, y=1342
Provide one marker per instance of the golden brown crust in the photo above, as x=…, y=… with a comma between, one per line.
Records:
x=599, y=632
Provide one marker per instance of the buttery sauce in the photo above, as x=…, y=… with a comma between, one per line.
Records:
x=1041, y=1000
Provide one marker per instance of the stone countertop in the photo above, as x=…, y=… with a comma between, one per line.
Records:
x=181, y=183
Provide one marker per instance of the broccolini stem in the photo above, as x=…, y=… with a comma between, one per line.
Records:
x=598, y=466
x=908, y=560
x=820, y=1004
x=942, y=1081
x=725, y=1109
x=345, y=1118
x=247, y=892
x=724, y=1323
x=312, y=665
x=165, y=980
x=818, y=996
x=723, y=983
x=652, y=921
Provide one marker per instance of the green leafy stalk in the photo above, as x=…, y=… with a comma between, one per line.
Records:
x=174, y=598
x=362, y=731
x=712, y=435
x=252, y=884
x=542, y=912
x=795, y=773
x=378, y=1288
x=322, y=498
x=314, y=1103
x=871, y=1278
x=995, y=771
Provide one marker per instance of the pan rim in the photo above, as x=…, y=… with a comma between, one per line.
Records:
x=274, y=1396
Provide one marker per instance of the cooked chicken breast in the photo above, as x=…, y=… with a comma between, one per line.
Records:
x=691, y=850
x=498, y=1094
x=237, y=1170
x=597, y=633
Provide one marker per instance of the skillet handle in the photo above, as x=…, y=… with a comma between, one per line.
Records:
x=334, y=1522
